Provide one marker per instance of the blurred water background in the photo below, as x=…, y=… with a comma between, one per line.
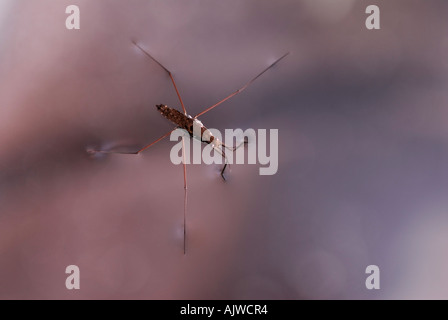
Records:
x=363, y=155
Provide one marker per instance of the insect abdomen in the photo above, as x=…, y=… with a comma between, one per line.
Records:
x=176, y=117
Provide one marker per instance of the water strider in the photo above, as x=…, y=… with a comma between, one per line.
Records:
x=193, y=126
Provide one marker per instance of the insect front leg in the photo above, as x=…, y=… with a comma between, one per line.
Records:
x=233, y=149
x=217, y=148
x=217, y=144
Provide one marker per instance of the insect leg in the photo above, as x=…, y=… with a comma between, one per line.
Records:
x=226, y=163
x=236, y=147
x=168, y=71
x=242, y=88
x=136, y=152
x=185, y=193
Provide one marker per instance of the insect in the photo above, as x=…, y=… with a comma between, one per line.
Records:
x=193, y=126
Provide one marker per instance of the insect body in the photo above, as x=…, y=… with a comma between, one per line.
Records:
x=196, y=130
x=187, y=123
